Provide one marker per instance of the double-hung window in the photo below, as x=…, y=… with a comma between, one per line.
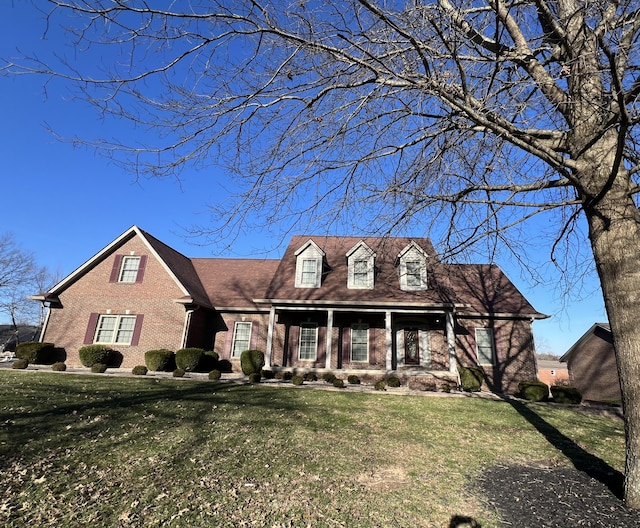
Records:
x=414, y=273
x=115, y=329
x=360, y=342
x=129, y=269
x=361, y=273
x=308, y=341
x=241, y=338
x=309, y=272
x=485, y=348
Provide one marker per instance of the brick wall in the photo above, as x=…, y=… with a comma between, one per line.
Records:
x=163, y=321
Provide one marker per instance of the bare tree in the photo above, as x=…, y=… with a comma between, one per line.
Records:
x=468, y=117
x=20, y=277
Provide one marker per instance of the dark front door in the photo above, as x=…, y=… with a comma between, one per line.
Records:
x=411, y=347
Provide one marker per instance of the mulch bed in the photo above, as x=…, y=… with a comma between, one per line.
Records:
x=541, y=497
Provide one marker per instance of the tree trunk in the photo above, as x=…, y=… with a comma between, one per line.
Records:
x=614, y=231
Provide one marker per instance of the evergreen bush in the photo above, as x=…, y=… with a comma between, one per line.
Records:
x=251, y=361
x=533, y=390
x=139, y=370
x=20, y=364
x=178, y=373
x=189, y=359
x=297, y=380
x=160, y=360
x=215, y=375
x=380, y=385
x=310, y=376
x=268, y=374
x=255, y=377
x=92, y=354
x=287, y=376
x=59, y=366
x=337, y=382
x=471, y=378
x=353, y=379
x=329, y=377
x=566, y=394
x=99, y=368
x=34, y=352
x=393, y=381
x=209, y=361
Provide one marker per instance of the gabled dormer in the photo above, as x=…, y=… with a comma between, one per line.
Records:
x=309, y=265
x=412, y=268
x=361, y=261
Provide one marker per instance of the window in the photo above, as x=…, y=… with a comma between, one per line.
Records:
x=309, y=265
x=309, y=272
x=129, y=269
x=360, y=342
x=413, y=268
x=308, y=341
x=361, y=264
x=115, y=329
x=241, y=339
x=414, y=273
x=485, y=346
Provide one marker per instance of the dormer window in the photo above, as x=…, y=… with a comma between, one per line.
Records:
x=361, y=264
x=413, y=268
x=309, y=261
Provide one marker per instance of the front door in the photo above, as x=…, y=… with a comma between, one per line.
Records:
x=411, y=346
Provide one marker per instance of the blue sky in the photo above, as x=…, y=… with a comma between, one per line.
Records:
x=65, y=203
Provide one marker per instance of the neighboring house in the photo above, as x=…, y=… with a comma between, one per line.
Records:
x=553, y=372
x=372, y=305
x=591, y=362
x=11, y=336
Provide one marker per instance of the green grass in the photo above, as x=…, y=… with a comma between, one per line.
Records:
x=79, y=450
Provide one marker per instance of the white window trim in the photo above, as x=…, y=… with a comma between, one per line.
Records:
x=490, y=335
x=116, y=329
x=359, y=326
x=315, y=344
x=234, y=341
x=130, y=270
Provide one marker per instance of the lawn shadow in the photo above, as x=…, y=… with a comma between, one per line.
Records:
x=582, y=460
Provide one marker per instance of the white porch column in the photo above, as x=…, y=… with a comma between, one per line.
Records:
x=389, y=341
x=269, y=352
x=329, y=339
x=451, y=342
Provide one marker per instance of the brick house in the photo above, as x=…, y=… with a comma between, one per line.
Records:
x=591, y=362
x=368, y=305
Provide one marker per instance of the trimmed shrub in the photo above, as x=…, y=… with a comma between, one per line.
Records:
x=394, y=382
x=59, y=366
x=20, y=364
x=471, y=378
x=268, y=374
x=329, y=377
x=251, y=361
x=566, y=394
x=215, y=375
x=380, y=385
x=287, y=376
x=337, y=382
x=178, y=373
x=209, y=361
x=139, y=370
x=353, y=379
x=189, y=359
x=34, y=352
x=533, y=390
x=310, y=376
x=160, y=360
x=99, y=368
x=297, y=380
x=92, y=354
x=255, y=377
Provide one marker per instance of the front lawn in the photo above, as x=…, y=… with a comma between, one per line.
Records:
x=82, y=450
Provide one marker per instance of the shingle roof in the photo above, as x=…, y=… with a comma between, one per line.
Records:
x=234, y=282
